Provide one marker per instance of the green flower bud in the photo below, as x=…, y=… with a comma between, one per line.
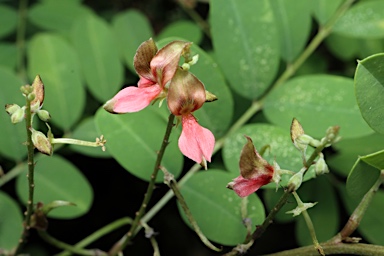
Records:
x=295, y=181
x=11, y=108
x=43, y=115
x=41, y=142
x=321, y=166
x=18, y=115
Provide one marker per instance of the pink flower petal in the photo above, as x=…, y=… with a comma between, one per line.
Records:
x=195, y=141
x=144, y=82
x=132, y=99
x=244, y=187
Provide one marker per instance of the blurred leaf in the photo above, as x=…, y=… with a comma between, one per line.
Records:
x=11, y=224
x=217, y=115
x=324, y=215
x=8, y=20
x=134, y=138
x=217, y=210
x=361, y=178
x=280, y=149
x=58, y=15
x=183, y=29
x=87, y=131
x=57, y=179
x=348, y=150
x=317, y=63
x=369, y=89
x=12, y=136
x=56, y=62
x=343, y=47
x=97, y=48
x=363, y=20
x=318, y=102
x=371, y=226
x=245, y=40
x=324, y=9
x=271, y=197
x=131, y=29
x=293, y=29
x=8, y=55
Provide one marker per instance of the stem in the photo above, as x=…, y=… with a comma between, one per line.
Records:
x=20, y=39
x=123, y=242
x=99, y=233
x=14, y=172
x=30, y=175
x=79, y=251
x=197, y=18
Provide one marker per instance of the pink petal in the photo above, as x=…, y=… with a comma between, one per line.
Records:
x=244, y=187
x=195, y=141
x=132, y=99
x=144, y=82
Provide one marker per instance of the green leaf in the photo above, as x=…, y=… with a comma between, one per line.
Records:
x=8, y=53
x=343, y=47
x=245, y=41
x=324, y=9
x=58, y=179
x=97, y=48
x=369, y=89
x=12, y=136
x=134, y=138
x=8, y=20
x=348, y=151
x=56, y=62
x=375, y=159
x=183, y=29
x=11, y=224
x=318, y=102
x=324, y=215
x=293, y=29
x=363, y=20
x=87, y=131
x=371, y=226
x=280, y=149
x=131, y=28
x=57, y=15
x=361, y=178
x=217, y=210
x=217, y=115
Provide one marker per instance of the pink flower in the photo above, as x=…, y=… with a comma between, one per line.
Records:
x=187, y=94
x=155, y=69
x=255, y=171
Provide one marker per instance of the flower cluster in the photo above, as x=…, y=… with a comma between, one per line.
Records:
x=161, y=78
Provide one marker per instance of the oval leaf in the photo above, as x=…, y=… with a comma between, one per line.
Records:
x=8, y=53
x=11, y=225
x=8, y=20
x=280, y=149
x=56, y=62
x=57, y=15
x=12, y=136
x=293, y=29
x=58, y=179
x=87, y=131
x=246, y=44
x=131, y=28
x=97, y=48
x=217, y=210
x=369, y=89
x=363, y=20
x=133, y=140
x=324, y=215
x=318, y=102
x=324, y=9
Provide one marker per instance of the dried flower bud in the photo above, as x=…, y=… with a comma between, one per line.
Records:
x=38, y=91
x=41, y=142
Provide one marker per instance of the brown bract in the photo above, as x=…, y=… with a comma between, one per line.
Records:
x=38, y=90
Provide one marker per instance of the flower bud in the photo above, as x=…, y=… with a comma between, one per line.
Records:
x=299, y=209
x=38, y=91
x=11, y=108
x=43, y=115
x=295, y=181
x=18, y=115
x=321, y=166
x=41, y=142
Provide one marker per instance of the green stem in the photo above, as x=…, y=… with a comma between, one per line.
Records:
x=20, y=39
x=79, y=251
x=30, y=175
x=333, y=249
x=99, y=233
x=197, y=18
x=123, y=242
x=14, y=172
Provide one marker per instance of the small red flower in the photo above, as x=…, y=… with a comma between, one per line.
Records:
x=255, y=171
x=186, y=94
x=155, y=69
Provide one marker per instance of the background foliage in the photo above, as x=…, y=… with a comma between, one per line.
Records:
x=84, y=53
